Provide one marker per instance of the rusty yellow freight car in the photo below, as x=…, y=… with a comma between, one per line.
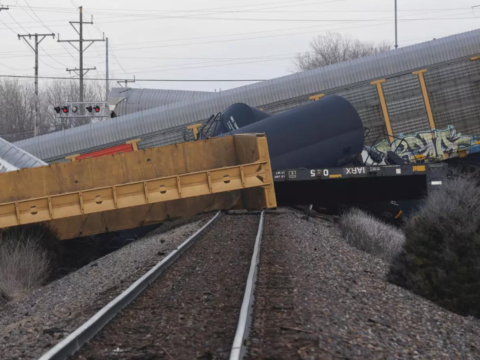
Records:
x=128, y=190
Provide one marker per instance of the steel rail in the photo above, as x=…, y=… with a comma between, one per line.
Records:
x=239, y=346
x=96, y=323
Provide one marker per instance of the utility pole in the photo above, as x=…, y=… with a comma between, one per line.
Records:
x=35, y=50
x=106, y=69
x=396, y=26
x=4, y=8
x=82, y=71
x=126, y=82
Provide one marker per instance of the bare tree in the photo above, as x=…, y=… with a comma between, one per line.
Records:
x=333, y=48
x=17, y=106
x=60, y=92
x=16, y=109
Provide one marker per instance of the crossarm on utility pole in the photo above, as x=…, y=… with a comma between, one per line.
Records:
x=81, y=71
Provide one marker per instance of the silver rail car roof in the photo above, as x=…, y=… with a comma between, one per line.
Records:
x=157, y=124
x=128, y=100
x=13, y=158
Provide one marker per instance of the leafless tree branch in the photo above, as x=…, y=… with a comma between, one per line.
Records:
x=333, y=48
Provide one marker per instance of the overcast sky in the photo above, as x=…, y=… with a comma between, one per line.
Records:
x=211, y=39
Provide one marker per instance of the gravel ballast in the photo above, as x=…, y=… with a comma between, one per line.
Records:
x=191, y=311
x=316, y=298
x=319, y=298
x=28, y=328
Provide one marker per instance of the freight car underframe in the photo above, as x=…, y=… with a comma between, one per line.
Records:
x=388, y=191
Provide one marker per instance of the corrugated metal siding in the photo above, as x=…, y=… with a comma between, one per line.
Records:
x=454, y=92
x=284, y=92
x=16, y=157
x=135, y=100
x=406, y=106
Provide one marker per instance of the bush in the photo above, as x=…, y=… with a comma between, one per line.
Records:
x=441, y=256
x=26, y=256
x=371, y=235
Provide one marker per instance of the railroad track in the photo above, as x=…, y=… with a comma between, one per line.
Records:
x=193, y=306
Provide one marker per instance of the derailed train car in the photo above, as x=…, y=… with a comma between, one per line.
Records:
x=316, y=151
x=424, y=87
x=325, y=133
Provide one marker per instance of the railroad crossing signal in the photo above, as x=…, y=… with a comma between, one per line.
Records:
x=91, y=108
x=94, y=110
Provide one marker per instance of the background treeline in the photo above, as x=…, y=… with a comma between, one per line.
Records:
x=17, y=106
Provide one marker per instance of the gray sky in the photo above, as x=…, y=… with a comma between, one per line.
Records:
x=212, y=39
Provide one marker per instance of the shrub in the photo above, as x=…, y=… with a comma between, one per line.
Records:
x=367, y=233
x=440, y=259
x=26, y=255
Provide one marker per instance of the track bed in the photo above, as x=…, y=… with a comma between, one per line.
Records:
x=191, y=310
x=318, y=298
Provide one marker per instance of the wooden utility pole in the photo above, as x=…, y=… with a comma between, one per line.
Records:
x=81, y=71
x=38, y=38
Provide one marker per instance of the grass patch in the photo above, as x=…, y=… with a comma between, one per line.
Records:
x=369, y=234
x=27, y=255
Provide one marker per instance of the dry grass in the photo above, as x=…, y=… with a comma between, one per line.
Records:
x=371, y=235
x=24, y=265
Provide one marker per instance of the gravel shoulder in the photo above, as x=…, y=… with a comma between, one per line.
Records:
x=319, y=298
x=31, y=326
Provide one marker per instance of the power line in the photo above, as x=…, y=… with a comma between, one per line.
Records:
x=52, y=67
x=153, y=17
x=183, y=67
x=81, y=71
x=8, y=67
x=380, y=19
x=111, y=13
x=96, y=50
x=296, y=20
x=40, y=20
x=383, y=19
x=209, y=11
x=205, y=65
x=116, y=11
x=215, y=10
x=306, y=20
x=146, y=80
